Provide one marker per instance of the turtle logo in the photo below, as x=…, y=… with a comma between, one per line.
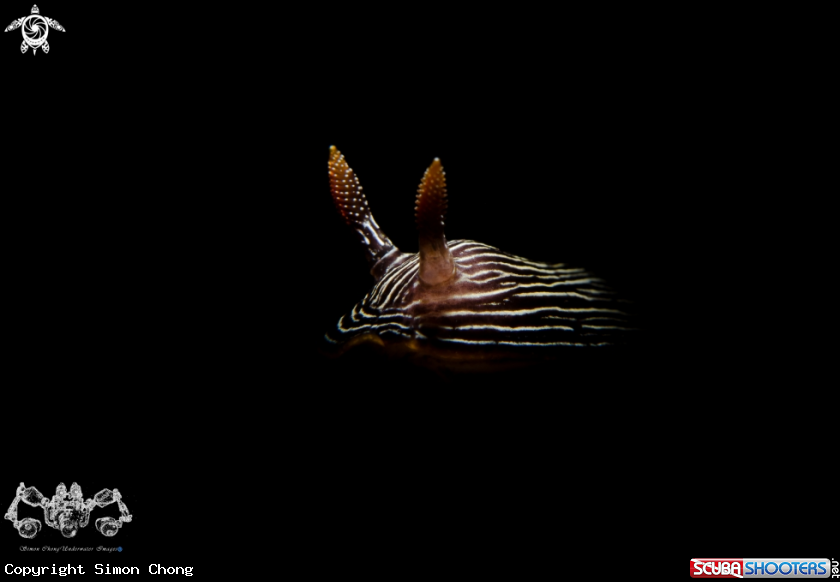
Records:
x=35, y=29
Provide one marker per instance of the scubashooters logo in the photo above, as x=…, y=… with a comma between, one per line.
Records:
x=763, y=568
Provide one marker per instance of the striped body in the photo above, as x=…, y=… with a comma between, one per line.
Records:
x=464, y=305
x=502, y=309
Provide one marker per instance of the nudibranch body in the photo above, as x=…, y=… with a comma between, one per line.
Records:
x=463, y=305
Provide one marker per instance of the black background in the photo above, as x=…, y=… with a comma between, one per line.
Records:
x=172, y=258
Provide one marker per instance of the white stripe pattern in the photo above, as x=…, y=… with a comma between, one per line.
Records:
x=498, y=301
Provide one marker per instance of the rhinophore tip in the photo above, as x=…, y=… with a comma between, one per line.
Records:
x=353, y=207
x=436, y=263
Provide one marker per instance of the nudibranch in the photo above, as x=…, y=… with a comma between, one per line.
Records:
x=463, y=305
